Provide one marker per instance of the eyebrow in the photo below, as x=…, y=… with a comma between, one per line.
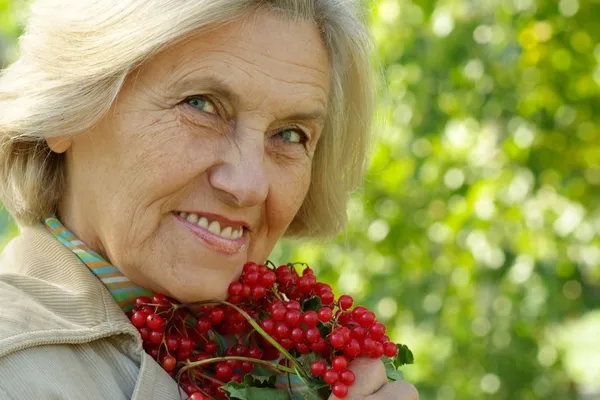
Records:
x=216, y=84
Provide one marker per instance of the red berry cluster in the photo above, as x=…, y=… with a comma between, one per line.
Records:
x=297, y=314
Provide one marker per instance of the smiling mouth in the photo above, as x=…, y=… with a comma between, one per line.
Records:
x=219, y=237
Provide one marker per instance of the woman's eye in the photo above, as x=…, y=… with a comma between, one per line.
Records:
x=202, y=104
x=293, y=136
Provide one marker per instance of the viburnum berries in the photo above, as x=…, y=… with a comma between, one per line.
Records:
x=274, y=318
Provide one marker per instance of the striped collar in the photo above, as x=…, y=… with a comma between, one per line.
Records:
x=120, y=287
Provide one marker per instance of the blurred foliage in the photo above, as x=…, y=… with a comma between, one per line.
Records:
x=476, y=236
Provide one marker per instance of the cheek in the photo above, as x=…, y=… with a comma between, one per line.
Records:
x=288, y=192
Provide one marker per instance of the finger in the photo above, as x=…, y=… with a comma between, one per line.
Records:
x=370, y=377
x=399, y=390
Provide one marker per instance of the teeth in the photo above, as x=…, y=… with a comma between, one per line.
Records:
x=215, y=227
x=203, y=223
x=226, y=233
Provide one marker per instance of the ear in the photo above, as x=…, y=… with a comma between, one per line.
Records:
x=59, y=144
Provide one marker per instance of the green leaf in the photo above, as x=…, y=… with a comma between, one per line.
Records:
x=260, y=380
x=314, y=304
x=242, y=391
x=394, y=375
x=404, y=356
x=391, y=371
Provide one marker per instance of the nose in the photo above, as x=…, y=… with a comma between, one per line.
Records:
x=241, y=180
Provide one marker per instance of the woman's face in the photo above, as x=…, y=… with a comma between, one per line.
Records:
x=205, y=157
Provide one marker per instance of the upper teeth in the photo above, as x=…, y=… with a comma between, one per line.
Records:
x=214, y=226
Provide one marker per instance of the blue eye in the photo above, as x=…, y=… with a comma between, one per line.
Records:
x=202, y=103
x=293, y=136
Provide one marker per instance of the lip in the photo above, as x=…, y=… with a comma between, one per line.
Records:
x=215, y=242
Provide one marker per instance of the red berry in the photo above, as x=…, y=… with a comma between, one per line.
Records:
x=327, y=297
x=325, y=314
x=359, y=332
x=186, y=344
x=198, y=396
x=297, y=335
x=251, y=278
x=282, y=330
x=145, y=333
x=268, y=325
x=142, y=301
x=156, y=337
x=331, y=376
x=378, y=352
x=255, y=352
x=347, y=377
x=258, y=292
x=352, y=349
x=358, y=311
x=345, y=302
x=302, y=348
x=247, y=367
x=312, y=334
x=345, y=318
x=293, y=317
x=139, y=318
x=377, y=330
x=368, y=345
x=155, y=322
x=286, y=343
x=339, y=363
x=365, y=319
x=203, y=325
x=217, y=315
x=236, y=378
x=158, y=298
x=169, y=363
x=268, y=279
x=336, y=340
x=173, y=342
x=339, y=390
x=310, y=319
x=235, y=288
x=318, y=368
x=250, y=267
x=246, y=291
x=279, y=313
x=293, y=305
x=319, y=346
x=210, y=347
x=223, y=371
x=390, y=349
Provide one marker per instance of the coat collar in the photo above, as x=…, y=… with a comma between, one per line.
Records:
x=48, y=294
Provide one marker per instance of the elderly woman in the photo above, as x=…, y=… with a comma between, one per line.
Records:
x=156, y=146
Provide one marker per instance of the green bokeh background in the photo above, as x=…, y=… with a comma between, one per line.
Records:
x=476, y=236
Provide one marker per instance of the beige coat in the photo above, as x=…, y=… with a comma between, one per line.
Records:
x=62, y=336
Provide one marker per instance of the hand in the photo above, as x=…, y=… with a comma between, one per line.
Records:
x=372, y=383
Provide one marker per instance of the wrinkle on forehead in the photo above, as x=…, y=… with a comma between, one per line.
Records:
x=270, y=66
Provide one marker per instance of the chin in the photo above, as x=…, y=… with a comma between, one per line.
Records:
x=195, y=295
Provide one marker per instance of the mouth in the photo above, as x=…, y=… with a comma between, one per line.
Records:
x=216, y=233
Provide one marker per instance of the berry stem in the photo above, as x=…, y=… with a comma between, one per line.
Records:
x=194, y=364
x=265, y=335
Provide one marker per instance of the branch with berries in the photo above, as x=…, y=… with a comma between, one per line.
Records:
x=279, y=335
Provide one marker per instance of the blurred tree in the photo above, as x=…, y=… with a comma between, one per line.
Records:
x=476, y=235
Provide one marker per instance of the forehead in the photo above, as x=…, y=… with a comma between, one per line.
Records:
x=264, y=58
